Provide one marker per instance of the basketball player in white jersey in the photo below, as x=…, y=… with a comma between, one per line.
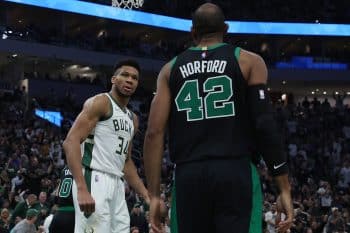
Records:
x=98, y=148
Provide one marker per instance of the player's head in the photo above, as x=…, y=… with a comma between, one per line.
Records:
x=125, y=78
x=208, y=21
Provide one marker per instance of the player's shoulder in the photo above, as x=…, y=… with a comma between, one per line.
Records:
x=248, y=61
x=97, y=103
x=97, y=99
x=165, y=71
x=249, y=57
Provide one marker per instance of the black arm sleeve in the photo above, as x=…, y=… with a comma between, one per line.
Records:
x=268, y=137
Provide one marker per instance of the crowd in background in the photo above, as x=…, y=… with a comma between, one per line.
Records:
x=317, y=138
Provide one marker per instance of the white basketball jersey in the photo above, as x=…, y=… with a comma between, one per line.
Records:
x=106, y=148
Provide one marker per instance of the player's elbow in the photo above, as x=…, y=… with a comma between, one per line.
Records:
x=67, y=143
x=153, y=133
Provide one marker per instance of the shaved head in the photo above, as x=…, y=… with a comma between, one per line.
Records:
x=207, y=19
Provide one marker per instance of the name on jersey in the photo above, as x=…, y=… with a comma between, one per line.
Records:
x=122, y=124
x=203, y=66
x=67, y=172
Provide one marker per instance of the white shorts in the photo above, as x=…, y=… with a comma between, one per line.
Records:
x=111, y=211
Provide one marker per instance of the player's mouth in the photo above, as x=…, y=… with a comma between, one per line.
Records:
x=128, y=89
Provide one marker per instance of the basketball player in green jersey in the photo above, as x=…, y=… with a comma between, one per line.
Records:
x=63, y=220
x=98, y=150
x=213, y=99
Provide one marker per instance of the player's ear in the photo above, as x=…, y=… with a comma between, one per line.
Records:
x=226, y=27
x=194, y=35
x=113, y=79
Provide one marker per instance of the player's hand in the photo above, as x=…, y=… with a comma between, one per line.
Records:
x=284, y=205
x=154, y=215
x=86, y=202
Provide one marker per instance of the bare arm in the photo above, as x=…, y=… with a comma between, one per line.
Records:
x=94, y=108
x=274, y=155
x=153, y=147
x=154, y=140
x=130, y=171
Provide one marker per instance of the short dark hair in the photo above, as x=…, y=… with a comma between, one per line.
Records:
x=127, y=62
x=208, y=18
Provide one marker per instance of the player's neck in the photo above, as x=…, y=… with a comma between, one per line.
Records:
x=206, y=42
x=120, y=100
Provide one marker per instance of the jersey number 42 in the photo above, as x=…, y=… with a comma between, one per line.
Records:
x=216, y=102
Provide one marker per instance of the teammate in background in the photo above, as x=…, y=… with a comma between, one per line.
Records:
x=63, y=220
x=104, y=130
x=213, y=99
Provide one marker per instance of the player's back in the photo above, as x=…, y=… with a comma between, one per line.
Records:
x=106, y=147
x=209, y=117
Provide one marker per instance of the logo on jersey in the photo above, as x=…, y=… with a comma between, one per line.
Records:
x=278, y=166
x=262, y=94
x=204, y=54
x=89, y=230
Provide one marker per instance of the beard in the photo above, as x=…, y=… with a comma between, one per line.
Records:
x=121, y=93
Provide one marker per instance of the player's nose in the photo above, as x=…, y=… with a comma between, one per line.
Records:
x=130, y=79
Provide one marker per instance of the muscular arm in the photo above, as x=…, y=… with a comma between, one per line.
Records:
x=94, y=108
x=153, y=147
x=267, y=134
x=154, y=140
x=130, y=171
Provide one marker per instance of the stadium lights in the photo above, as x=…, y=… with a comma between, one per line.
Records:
x=139, y=17
x=313, y=92
x=86, y=68
x=325, y=93
x=337, y=93
x=73, y=67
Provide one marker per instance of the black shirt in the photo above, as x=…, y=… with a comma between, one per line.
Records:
x=209, y=114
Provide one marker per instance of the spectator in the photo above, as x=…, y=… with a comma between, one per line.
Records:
x=21, y=208
x=43, y=207
x=137, y=219
x=27, y=225
x=270, y=219
x=345, y=173
x=4, y=220
x=306, y=103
